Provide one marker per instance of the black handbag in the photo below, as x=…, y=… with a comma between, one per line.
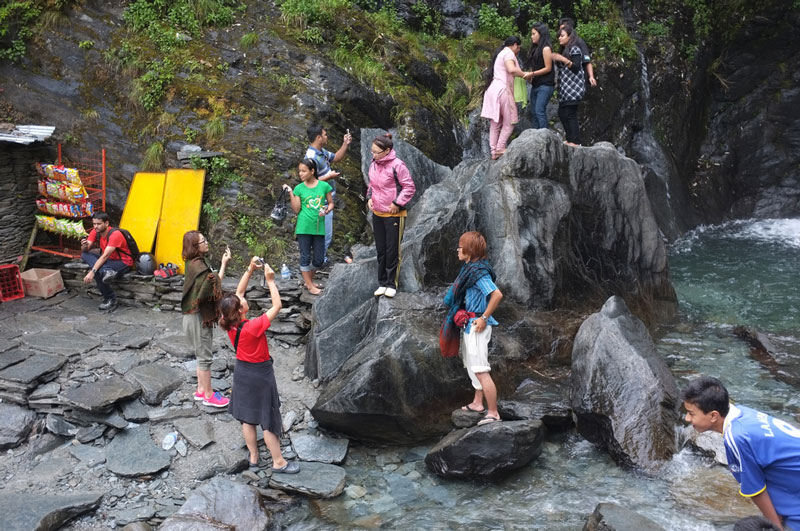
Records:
x=279, y=210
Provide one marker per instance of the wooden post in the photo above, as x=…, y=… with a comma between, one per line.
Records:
x=27, y=253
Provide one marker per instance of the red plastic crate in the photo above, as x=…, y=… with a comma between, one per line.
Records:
x=10, y=283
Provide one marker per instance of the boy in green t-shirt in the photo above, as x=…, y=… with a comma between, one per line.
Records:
x=308, y=201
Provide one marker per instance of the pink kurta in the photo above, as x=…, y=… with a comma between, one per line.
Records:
x=499, y=97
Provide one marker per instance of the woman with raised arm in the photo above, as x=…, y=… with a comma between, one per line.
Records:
x=255, y=398
x=571, y=83
x=543, y=77
x=499, y=105
x=202, y=291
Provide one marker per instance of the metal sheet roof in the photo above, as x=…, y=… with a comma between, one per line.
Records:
x=27, y=134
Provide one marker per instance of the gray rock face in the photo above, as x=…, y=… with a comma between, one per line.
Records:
x=489, y=451
x=399, y=356
x=157, y=381
x=15, y=425
x=64, y=343
x=313, y=446
x=101, y=395
x=198, y=432
x=612, y=517
x=23, y=512
x=38, y=366
x=539, y=399
x=317, y=480
x=622, y=392
x=220, y=504
x=560, y=224
x=133, y=453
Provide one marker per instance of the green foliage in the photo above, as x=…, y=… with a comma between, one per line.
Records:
x=313, y=35
x=150, y=88
x=254, y=231
x=248, y=40
x=86, y=45
x=218, y=170
x=90, y=115
x=357, y=57
x=16, y=19
x=536, y=11
x=388, y=21
x=215, y=129
x=494, y=24
x=270, y=153
x=602, y=27
x=190, y=134
x=154, y=157
x=304, y=13
x=654, y=29
x=211, y=211
x=430, y=20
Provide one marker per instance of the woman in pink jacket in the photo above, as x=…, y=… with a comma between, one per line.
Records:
x=390, y=189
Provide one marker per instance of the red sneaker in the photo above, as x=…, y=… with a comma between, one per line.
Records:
x=216, y=400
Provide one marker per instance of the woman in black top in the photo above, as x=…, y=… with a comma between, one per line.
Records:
x=544, y=79
x=571, y=83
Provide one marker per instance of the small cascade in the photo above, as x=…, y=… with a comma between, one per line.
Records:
x=657, y=167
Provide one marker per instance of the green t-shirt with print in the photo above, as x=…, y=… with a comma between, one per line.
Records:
x=311, y=200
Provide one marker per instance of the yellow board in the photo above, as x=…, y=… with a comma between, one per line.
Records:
x=143, y=209
x=180, y=212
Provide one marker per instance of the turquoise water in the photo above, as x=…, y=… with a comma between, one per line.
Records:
x=738, y=273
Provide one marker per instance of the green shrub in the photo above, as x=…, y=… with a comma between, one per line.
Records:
x=248, y=40
x=494, y=24
x=304, y=13
x=154, y=157
x=430, y=20
x=150, y=88
x=215, y=129
x=313, y=35
x=601, y=26
x=16, y=19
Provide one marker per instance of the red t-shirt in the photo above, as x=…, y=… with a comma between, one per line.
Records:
x=253, y=340
x=118, y=241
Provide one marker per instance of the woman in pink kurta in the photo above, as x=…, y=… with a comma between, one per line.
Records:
x=498, y=100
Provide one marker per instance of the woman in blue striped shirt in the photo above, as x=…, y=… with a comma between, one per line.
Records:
x=474, y=290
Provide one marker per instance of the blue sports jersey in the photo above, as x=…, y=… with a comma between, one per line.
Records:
x=764, y=453
x=477, y=299
x=323, y=158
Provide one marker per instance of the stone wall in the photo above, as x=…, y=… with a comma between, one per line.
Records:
x=18, y=195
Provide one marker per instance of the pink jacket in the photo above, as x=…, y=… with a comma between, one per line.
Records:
x=383, y=187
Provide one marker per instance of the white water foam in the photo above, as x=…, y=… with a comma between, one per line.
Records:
x=781, y=231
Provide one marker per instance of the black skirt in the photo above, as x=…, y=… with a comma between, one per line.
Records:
x=254, y=399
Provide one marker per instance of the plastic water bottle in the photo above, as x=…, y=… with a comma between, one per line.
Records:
x=169, y=440
x=285, y=273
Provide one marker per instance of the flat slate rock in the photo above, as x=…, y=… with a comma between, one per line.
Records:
x=133, y=337
x=133, y=453
x=65, y=343
x=311, y=445
x=58, y=425
x=129, y=361
x=199, y=432
x=317, y=480
x=32, y=368
x=133, y=514
x=220, y=504
x=11, y=357
x=100, y=395
x=27, y=511
x=135, y=411
x=88, y=455
x=15, y=425
x=157, y=381
x=175, y=345
x=8, y=344
x=85, y=417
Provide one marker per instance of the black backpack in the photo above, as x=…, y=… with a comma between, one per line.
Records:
x=134, y=249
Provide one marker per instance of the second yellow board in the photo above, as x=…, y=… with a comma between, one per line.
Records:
x=180, y=212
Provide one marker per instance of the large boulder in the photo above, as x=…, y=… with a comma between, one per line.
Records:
x=487, y=452
x=622, y=392
x=563, y=227
x=23, y=511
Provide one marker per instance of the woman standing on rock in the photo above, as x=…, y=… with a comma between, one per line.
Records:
x=309, y=203
x=498, y=99
x=202, y=291
x=472, y=299
x=543, y=77
x=571, y=83
x=390, y=189
x=255, y=398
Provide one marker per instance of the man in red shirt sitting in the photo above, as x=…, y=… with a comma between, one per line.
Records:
x=115, y=257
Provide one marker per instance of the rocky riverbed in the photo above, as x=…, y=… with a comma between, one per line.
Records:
x=88, y=396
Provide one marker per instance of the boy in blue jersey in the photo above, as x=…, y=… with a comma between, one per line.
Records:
x=763, y=452
x=474, y=291
x=318, y=139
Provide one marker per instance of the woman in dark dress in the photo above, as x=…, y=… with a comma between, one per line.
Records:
x=255, y=398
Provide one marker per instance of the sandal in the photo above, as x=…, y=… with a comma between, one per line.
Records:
x=468, y=408
x=488, y=419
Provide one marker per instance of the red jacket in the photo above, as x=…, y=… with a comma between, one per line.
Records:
x=383, y=187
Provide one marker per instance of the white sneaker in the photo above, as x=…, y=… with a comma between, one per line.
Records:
x=390, y=292
x=380, y=291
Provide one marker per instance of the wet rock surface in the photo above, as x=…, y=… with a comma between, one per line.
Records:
x=15, y=424
x=22, y=512
x=318, y=480
x=624, y=396
x=613, y=517
x=490, y=451
x=311, y=445
x=219, y=504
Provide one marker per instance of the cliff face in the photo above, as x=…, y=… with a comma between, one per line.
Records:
x=715, y=134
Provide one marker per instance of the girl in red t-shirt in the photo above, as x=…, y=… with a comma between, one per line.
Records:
x=255, y=394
